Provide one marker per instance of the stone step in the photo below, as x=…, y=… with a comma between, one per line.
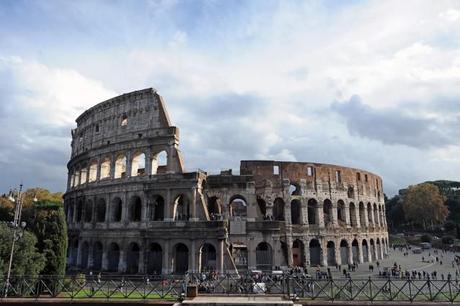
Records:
x=237, y=300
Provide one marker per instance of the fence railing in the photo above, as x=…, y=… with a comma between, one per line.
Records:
x=173, y=287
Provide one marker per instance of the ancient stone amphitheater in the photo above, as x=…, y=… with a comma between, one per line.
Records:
x=132, y=208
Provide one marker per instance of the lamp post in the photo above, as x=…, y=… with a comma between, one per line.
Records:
x=16, y=224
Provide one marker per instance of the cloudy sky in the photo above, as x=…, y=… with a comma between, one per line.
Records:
x=367, y=84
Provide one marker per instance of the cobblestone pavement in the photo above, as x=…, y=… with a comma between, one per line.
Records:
x=410, y=262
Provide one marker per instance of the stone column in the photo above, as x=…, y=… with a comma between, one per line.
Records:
x=320, y=215
x=306, y=259
x=276, y=252
x=142, y=258
x=357, y=217
x=122, y=259
x=129, y=163
x=323, y=257
x=366, y=217
x=369, y=251
x=338, y=257
x=193, y=258
x=287, y=212
x=304, y=210
x=105, y=260
x=290, y=260
x=193, y=211
x=112, y=166
x=360, y=253
x=74, y=217
x=98, y=169
x=166, y=262
x=168, y=207
x=350, y=254
x=347, y=214
x=220, y=256
x=125, y=208
x=334, y=215
x=148, y=161
x=90, y=255
x=79, y=253
x=372, y=217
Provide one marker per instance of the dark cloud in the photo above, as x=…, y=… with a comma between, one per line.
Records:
x=392, y=126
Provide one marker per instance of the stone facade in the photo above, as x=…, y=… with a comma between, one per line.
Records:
x=131, y=207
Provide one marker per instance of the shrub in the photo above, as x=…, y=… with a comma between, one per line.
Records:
x=447, y=240
x=426, y=238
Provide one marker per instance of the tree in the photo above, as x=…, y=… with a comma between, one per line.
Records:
x=27, y=260
x=423, y=205
x=394, y=212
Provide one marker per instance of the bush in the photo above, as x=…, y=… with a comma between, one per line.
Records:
x=447, y=240
x=426, y=238
x=449, y=226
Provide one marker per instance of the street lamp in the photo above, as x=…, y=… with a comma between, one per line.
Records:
x=16, y=224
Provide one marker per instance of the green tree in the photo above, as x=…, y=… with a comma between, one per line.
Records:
x=423, y=205
x=27, y=260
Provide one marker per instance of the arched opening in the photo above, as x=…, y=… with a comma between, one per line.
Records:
x=238, y=207
x=117, y=209
x=138, y=164
x=180, y=258
x=296, y=212
x=294, y=189
x=315, y=252
x=284, y=252
x=159, y=162
x=124, y=120
x=79, y=210
x=135, y=209
x=342, y=221
x=344, y=251
x=120, y=167
x=208, y=258
x=278, y=209
x=181, y=208
x=92, y=172
x=331, y=253
x=157, y=208
x=73, y=252
x=362, y=214
x=155, y=259
x=373, y=253
x=355, y=251
x=83, y=175
x=312, y=207
x=262, y=207
x=298, y=253
x=105, y=168
x=369, y=214
x=77, y=177
x=84, y=255
x=214, y=208
x=351, y=192
x=327, y=211
x=97, y=256
x=88, y=211
x=352, y=210
x=113, y=257
x=365, y=251
x=264, y=256
x=376, y=216
x=132, y=265
x=100, y=210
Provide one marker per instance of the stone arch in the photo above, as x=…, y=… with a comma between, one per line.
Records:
x=138, y=164
x=327, y=211
x=341, y=219
x=296, y=212
x=105, y=168
x=101, y=208
x=238, y=206
x=208, y=258
x=157, y=208
x=181, y=208
x=117, y=209
x=84, y=255
x=180, y=258
x=351, y=192
x=98, y=250
x=132, y=259
x=355, y=250
x=264, y=256
x=331, y=253
x=298, y=253
x=120, y=166
x=312, y=211
x=113, y=255
x=365, y=250
x=154, y=259
x=352, y=213
x=315, y=252
x=278, y=209
x=135, y=209
x=159, y=162
x=88, y=211
x=344, y=251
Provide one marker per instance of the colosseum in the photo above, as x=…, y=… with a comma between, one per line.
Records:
x=132, y=208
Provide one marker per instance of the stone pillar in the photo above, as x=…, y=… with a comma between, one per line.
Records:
x=79, y=253
x=148, y=161
x=290, y=260
x=124, y=208
x=369, y=251
x=166, y=262
x=323, y=257
x=112, y=166
x=142, y=258
x=357, y=217
x=277, y=253
x=320, y=215
x=168, y=207
x=98, y=169
x=334, y=216
x=105, y=260
x=193, y=211
x=90, y=255
x=372, y=217
x=287, y=212
x=338, y=257
x=306, y=259
x=193, y=258
x=366, y=217
x=350, y=254
x=304, y=210
x=74, y=217
x=220, y=256
x=347, y=214
x=360, y=253
x=122, y=259
x=129, y=163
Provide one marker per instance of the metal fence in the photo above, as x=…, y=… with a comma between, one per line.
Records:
x=173, y=287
